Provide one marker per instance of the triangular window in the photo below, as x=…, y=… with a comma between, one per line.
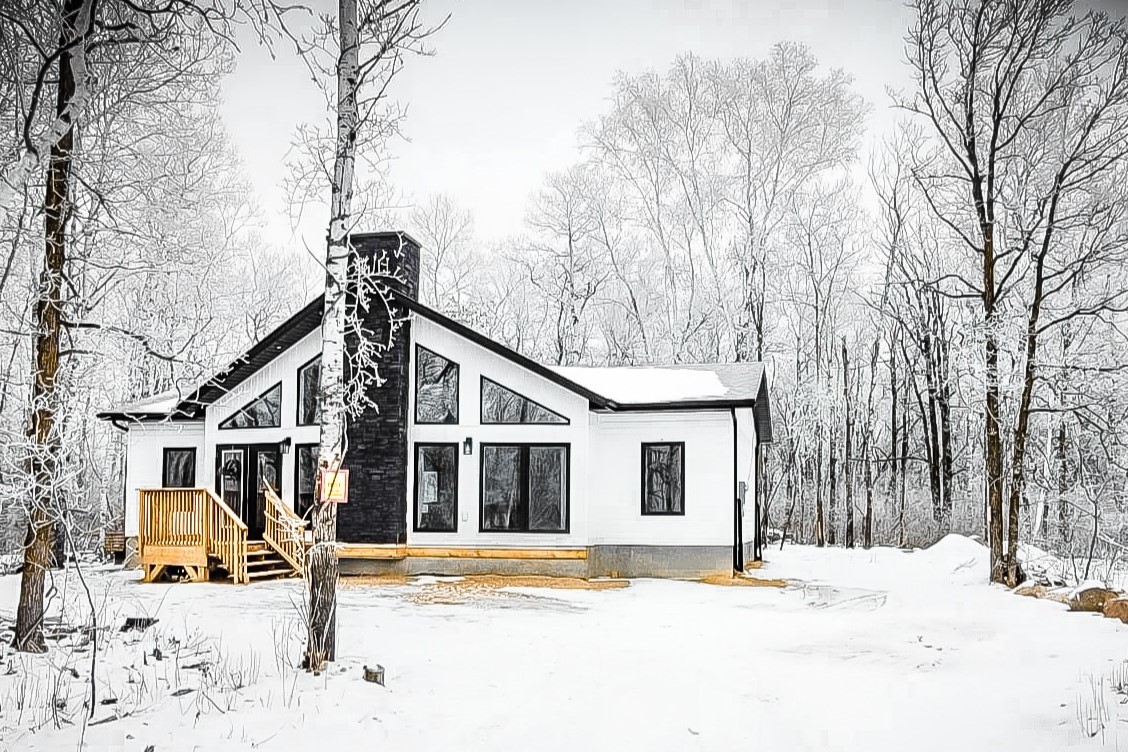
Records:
x=503, y=405
x=264, y=411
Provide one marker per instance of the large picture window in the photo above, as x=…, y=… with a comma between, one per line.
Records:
x=309, y=382
x=524, y=488
x=436, y=388
x=179, y=468
x=436, y=488
x=264, y=411
x=663, y=478
x=503, y=405
x=305, y=477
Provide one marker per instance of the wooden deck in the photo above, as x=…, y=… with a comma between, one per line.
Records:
x=194, y=529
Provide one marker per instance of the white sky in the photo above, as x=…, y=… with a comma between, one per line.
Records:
x=499, y=104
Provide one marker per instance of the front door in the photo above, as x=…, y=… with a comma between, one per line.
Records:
x=268, y=472
x=241, y=472
x=231, y=478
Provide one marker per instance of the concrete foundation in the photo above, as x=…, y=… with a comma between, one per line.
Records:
x=601, y=561
x=659, y=561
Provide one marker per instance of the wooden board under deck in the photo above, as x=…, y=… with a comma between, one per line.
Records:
x=183, y=556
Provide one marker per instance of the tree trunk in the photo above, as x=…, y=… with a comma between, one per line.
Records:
x=1061, y=445
x=38, y=551
x=903, y=460
x=832, y=490
x=820, y=523
x=323, y=567
x=848, y=470
x=867, y=448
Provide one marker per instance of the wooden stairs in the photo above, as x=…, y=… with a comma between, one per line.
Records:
x=264, y=563
x=191, y=530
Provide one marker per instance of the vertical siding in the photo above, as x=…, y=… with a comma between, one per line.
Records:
x=616, y=478
x=746, y=467
x=145, y=460
x=283, y=369
x=475, y=361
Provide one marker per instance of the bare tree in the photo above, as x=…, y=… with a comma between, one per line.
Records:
x=1027, y=104
x=354, y=55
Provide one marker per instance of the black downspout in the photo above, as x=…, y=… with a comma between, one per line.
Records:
x=738, y=525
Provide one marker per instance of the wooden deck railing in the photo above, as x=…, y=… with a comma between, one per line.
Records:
x=284, y=531
x=228, y=538
x=184, y=526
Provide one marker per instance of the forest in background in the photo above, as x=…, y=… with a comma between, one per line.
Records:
x=941, y=311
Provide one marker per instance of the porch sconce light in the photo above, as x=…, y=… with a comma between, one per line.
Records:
x=284, y=445
x=468, y=445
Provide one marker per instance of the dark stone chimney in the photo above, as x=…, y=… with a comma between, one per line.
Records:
x=376, y=454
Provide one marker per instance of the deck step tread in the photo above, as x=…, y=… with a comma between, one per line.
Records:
x=261, y=574
x=267, y=563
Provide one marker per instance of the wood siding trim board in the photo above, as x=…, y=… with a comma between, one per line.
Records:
x=384, y=551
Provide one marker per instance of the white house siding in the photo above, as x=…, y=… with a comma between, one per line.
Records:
x=473, y=362
x=616, y=503
x=283, y=369
x=145, y=461
x=746, y=471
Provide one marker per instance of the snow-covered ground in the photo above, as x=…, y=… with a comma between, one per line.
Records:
x=878, y=650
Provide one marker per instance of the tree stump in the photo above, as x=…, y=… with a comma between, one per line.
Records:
x=374, y=674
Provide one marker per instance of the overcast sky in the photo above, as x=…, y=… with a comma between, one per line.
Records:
x=499, y=104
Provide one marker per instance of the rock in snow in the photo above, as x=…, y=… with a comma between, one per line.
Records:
x=1117, y=608
x=1091, y=598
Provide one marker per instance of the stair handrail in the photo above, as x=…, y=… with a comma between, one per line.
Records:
x=227, y=537
x=284, y=531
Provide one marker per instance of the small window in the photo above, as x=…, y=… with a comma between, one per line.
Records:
x=436, y=388
x=663, y=478
x=436, y=488
x=264, y=411
x=503, y=405
x=309, y=382
x=524, y=488
x=179, y=469
x=305, y=477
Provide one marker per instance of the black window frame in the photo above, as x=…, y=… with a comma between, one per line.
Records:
x=524, y=474
x=454, y=446
x=313, y=447
x=164, y=466
x=298, y=391
x=645, y=446
x=250, y=402
x=482, y=406
x=457, y=389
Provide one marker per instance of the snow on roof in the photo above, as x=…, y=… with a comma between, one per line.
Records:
x=675, y=383
x=159, y=404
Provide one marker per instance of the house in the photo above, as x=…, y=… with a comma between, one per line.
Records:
x=475, y=458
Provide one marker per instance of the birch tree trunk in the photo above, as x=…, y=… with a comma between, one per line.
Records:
x=48, y=318
x=323, y=567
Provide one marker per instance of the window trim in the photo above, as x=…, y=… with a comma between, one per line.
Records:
x=250, y=402
x=647, y=445
x=297, y=477
x=298, y=391
x=457, y=389
x=164, y=465
x=482, y=407
x=415, y=486
x=566, y=446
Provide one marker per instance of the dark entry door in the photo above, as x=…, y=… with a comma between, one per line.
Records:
x=241, y=472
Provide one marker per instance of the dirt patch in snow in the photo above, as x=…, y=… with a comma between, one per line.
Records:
x=370, y=580
x=743, y=581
